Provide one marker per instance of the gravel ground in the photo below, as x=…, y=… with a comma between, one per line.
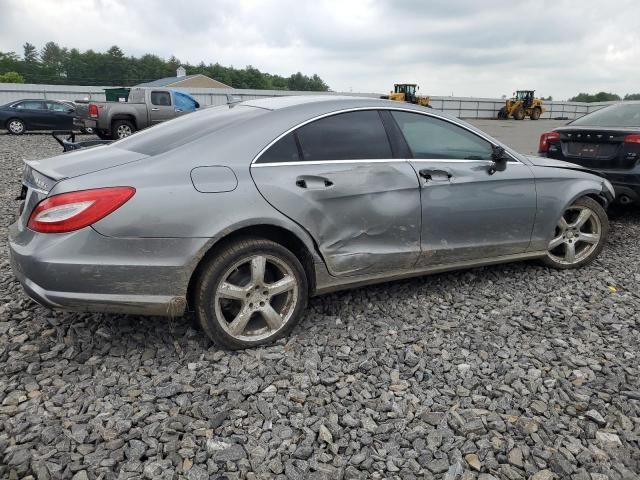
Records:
x=508, y=372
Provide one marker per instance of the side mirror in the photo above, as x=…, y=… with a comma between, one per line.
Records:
x=499, y=158
x=70, y=110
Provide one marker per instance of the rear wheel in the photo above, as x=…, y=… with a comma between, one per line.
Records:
x=250, y=293
x=579, y=236
x=519, y=113
x=16, y=126
x=535, y=114
x=122, y=129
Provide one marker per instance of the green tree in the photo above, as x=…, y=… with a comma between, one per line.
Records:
x=30, y=53
x=632, y=96
x=598, y=97
x=11, y=77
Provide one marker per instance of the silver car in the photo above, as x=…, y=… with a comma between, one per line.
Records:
x=241, y=213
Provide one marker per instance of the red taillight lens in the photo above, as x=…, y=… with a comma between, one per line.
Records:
x=632, y=139
x=545, y=139
x=93, y=110
x=75, y=210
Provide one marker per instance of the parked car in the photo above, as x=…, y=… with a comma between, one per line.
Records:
x=29, y=114
x=241, y=213
x=607, y=141
x=145, y=107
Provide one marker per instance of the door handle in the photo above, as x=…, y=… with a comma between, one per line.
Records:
x=312, y=182
x=429, y=173
x=155, y=109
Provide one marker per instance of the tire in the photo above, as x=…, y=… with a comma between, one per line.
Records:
x=535, y=114
x=235, y=290
x=15, y=126
x=122, y=129
x=584, y=217
x=102, y=135
x=502, y=113
x=519, y=113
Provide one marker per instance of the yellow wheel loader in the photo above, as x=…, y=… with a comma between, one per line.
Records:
x=523, y=104
x=406, y=92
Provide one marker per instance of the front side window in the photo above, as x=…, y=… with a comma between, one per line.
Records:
x=432, y=138
x=162, y=99
x=345, y=136
x=31, y=105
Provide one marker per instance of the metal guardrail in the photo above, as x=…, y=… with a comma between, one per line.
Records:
x=463, y=107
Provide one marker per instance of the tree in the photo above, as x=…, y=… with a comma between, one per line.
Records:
x=632, y=96
x=598, y=97
x=30, y=53
x=11, y=77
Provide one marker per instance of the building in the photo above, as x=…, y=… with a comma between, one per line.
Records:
x=182, y=80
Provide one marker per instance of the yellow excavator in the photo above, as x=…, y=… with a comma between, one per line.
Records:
x=407, y=92
x=523, y=104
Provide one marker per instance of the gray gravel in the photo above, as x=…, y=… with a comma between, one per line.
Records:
x=508, y=372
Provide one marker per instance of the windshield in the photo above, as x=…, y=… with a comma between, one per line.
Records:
x=618, y=115
x=175, y=133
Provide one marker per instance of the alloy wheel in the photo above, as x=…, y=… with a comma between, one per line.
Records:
x=577, y=235
x=256, y=297
x=124, y=131
x=16, y=127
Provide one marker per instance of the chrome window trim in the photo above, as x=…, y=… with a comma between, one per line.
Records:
x=373, y=160
x=356, y=109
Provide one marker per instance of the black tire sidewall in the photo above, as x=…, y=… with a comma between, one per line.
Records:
x=596, y=208
x=211, y=276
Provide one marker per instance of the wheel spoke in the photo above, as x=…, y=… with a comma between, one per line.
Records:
x=592, y=238
x=283, y=285
x=562, y=224
x=582, y=218
x=239, y=323
x=228, y=290
x=258, y=265
x=570, y=252
x=556, y=242
x=273, y=318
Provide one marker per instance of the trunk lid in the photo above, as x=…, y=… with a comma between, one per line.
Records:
x=598, y=147
x=80, y=162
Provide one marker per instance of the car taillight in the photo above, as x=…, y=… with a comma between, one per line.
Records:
x=632, y=139
x=71, y=211
x=545, y=139
x=93, y=110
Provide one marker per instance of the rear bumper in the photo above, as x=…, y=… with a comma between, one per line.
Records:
x=626, y=185
x=85, y=123
x=86, y=271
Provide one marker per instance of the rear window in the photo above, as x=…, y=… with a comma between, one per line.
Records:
x=182, y=130
x=619, y=115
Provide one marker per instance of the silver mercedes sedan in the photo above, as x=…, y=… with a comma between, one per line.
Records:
x=243, y=212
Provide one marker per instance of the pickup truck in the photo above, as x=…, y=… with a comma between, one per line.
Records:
x=145, y=107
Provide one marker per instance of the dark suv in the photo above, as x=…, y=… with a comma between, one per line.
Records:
x=608, y=141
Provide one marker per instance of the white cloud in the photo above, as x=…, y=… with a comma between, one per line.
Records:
x=467, y=47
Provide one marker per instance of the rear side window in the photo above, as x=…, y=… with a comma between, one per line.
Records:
x=284, y=150
x=430, y=137
x=346, y=136
x=58, y=107
x=161, y=98
x=619, y=115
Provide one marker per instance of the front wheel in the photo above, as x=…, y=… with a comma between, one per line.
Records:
x=502, y=113
x=579, y=235
x=251, y=292
x=15, y=126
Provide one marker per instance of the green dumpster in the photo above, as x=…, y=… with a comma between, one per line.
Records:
x=120, y=94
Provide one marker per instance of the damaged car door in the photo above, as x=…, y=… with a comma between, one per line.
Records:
x=337, y=177
x=470, y=209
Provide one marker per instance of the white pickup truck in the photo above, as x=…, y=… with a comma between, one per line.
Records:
x=145, y=107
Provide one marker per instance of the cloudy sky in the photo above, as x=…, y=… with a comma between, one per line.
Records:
x=462, y=47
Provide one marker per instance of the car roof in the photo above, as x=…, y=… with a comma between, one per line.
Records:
x=277, y=103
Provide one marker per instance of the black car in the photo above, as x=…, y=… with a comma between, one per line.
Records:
x=607, y=141
x=22, y=115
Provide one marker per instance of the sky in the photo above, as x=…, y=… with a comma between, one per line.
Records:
x=475, y=48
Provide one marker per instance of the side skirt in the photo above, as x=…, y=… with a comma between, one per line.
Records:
x=325, y=283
